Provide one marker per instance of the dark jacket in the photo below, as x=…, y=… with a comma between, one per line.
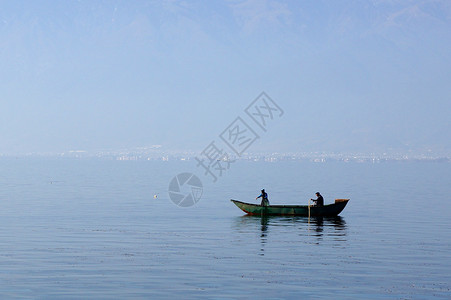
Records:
x=319, y=201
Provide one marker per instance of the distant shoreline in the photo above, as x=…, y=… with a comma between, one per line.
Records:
x=270, y=157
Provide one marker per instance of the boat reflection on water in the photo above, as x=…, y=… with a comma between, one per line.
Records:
x=321, y=228
x=335, y=227
x=264, y=232
x=338, y=223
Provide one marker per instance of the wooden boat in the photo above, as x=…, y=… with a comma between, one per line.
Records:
x=328, y=210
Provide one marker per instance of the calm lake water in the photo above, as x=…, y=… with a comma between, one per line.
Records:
x=73, y=229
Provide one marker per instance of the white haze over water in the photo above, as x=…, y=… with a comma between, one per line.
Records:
x=354, y=76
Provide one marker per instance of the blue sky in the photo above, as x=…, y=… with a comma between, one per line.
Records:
x=351, y=76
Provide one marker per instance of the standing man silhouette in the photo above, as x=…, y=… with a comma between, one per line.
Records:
x=264, y=196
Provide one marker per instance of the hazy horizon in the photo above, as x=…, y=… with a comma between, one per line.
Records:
x=354, y=76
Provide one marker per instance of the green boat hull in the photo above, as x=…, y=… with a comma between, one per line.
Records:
x=329, y=210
